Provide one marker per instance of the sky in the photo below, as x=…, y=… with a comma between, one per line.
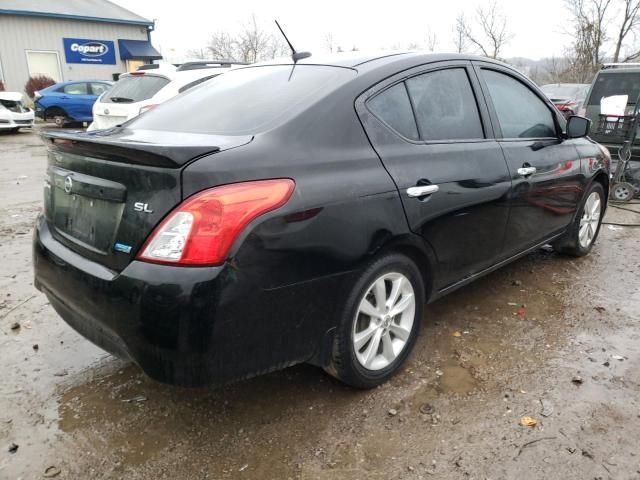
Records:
x=538, y=28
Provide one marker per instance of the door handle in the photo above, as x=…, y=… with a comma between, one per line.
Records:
x=422, y=190
x=526, y=171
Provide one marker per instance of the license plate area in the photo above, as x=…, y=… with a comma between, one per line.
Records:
x=86, y=210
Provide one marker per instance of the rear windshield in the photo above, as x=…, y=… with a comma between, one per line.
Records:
x=608, y=84
x=135, y=88
x=245, y=100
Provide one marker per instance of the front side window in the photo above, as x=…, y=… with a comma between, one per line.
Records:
x=75, y=89
x=445, y=105
x=393, y=107
x=521, y=113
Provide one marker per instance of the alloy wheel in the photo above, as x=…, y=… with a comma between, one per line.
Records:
x=590, y=220
x=384, y=321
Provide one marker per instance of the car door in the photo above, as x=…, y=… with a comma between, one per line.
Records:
x=77, y=101
x=546, y=178
x=431, y=131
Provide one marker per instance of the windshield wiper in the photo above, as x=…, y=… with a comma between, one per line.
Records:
x=121, y=99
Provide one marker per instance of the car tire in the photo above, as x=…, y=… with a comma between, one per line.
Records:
x=583, y=232
x=379, y=322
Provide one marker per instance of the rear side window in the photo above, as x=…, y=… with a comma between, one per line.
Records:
x=75, y=89
x=99, y=88
x=135, y=88
x=246, y=100
x=521, y=113
x=393, y=107
x=609, y=84
x=445, y=105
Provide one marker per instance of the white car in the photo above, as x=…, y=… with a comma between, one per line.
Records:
x=137, y=92
x=13, y=114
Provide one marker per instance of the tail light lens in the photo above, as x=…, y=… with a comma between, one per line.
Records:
x=146, y=108
x=202, y=230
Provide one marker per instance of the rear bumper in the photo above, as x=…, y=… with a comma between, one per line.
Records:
x=184, y=326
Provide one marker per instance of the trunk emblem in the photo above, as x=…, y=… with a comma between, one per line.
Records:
x=68, y=184
x=106, y=111
x=142, y=207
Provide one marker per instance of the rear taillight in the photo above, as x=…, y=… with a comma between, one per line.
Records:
x=567, y=106
x=146, y=108
x=202, y=230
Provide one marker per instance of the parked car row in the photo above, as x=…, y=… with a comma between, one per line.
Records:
x=69, y=101
x=104, y=104
x=137, y=92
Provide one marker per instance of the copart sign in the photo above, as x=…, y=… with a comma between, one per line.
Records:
x=84, y=50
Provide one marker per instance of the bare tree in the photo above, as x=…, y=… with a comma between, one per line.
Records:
x=329, y=43
x=460, y=37
x=630, y=22
x=251, y=44
x=589, y=36
x=493, y=34
x=432, y=40
x=222, y=46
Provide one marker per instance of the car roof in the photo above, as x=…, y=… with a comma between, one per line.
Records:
x=363, y=61
x=566, y=84
x=11, y=96
x=71, y=82
x=613, y=71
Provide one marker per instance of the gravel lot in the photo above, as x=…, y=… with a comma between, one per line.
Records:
x=569, y=359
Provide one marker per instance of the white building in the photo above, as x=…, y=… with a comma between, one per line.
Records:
x=70, y=40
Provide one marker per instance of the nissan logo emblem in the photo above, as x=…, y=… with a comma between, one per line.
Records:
x=68, y=184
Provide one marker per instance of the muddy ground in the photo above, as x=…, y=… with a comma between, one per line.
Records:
x=570, y=359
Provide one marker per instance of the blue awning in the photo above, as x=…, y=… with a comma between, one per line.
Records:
x=137, y=49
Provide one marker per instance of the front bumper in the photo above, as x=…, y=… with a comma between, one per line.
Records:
x=181, y=325
x=10, y=120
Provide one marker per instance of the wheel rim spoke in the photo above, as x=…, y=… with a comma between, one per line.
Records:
x=380, y=293
x=583, y=234
x=368, y=309
x=372, y=349
x=361, y=338
x=387, y=347
x=400, y=332
x=396, y=286
x=595, y=209
x=402, y=305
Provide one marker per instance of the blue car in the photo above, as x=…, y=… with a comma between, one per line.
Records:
x=69, y=101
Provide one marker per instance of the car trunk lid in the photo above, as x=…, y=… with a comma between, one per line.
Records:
x=104, y=194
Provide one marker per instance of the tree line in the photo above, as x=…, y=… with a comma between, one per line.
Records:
x=597, y=31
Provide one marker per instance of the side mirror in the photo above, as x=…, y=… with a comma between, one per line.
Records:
x=578, y=127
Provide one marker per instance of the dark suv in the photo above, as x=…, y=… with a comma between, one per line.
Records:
x=286, y=213
x=613, y=79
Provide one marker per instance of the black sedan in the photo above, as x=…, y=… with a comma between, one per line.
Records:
x=305, y=212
